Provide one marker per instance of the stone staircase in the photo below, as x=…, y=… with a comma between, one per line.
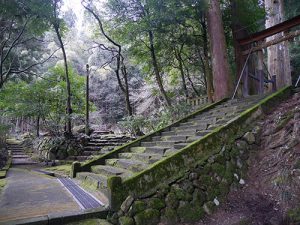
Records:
x=19, y=157
x=136, y=159
x=100, y=143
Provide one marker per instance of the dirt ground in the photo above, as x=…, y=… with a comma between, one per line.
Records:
x=272, y=185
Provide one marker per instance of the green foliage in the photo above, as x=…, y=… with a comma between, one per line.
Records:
x=159, y=120
x=44, y=98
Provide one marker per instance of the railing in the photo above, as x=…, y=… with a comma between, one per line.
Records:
x=296, y=85
x=202, y=100
x=260, y=77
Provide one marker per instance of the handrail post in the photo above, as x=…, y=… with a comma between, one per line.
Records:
x=297, y=81
x=260, y=72
x=238, y=83
x=261, y=82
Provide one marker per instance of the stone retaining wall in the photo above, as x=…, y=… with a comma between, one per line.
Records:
x=197, y=192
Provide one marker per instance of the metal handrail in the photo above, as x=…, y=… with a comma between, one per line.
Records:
x=238, y=83
x=297, y=81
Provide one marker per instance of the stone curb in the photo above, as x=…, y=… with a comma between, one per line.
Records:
x=5, y=169
x=60, y=218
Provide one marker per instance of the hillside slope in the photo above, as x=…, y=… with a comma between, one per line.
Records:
x=271, y=193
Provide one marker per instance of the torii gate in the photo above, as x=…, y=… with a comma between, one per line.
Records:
x=255, y=43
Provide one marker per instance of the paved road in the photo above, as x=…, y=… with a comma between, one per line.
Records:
x=30, y=194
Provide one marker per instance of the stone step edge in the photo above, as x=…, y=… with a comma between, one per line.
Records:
x=100, y=160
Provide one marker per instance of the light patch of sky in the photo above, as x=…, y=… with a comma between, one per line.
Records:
x=78, y=9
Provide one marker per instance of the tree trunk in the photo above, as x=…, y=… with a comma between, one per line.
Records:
x=87, y=101
x=156, y=70
x=239, y=32
x=278, y=55
x=68, y=104
x=126, y=91
x=179, y=59
x=220, y=66
x=190, y=80
x=207, y=69
x=38, y=126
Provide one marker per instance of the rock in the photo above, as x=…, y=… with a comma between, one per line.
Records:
x=236, y=176
x=241, y=145
x=170, y=216
x=137, y=206
x=127, y=203
x=216, y=201
x=113, y=219
x=181, y=194
x=242, y=181
x=188, y=186
x=199, y=197
x=156, y=203
x=209, y=207
x=193, y=176
x=249, y=137
x=125, y=220
x=172, y=201
x=147, y=217
x=189, y=213
x=239, y=162
x=79, y=129
x=163, y=190
x=257, y=131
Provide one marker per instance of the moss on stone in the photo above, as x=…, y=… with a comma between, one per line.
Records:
x=125, y=220
x=137, y=207
x=235, y=152
x=228, y=176
x=199, y=197
x=190, y=212
x=221, y=159
x=170, y=216
x=294, y=215
x=281, y=124
x=171, y=200
x=209, y=207
x=206, y=169
x=206, y=180
x=90, y=222
x=218, y=169
x=156, y=203
x=147, y=217
x=2, y=184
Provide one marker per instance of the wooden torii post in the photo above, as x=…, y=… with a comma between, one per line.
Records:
x=256, y=43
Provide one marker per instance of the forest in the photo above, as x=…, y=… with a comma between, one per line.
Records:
x=144, y=60
x=144, y=112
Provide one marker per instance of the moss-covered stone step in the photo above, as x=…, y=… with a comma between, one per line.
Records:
x=92, y=148
x=145, y=157
x=20, y=156
x=159, y=143
x=201, y=121
x=97, y=181
x=89, y=153
x=150, y=150
x=175, y=138
x=199, y=126
x=128, y=164
x=103, y=144
x=110, y=171
x=193, y=122
x=157, y=150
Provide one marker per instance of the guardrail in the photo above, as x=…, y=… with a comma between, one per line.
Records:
x=199, y=101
